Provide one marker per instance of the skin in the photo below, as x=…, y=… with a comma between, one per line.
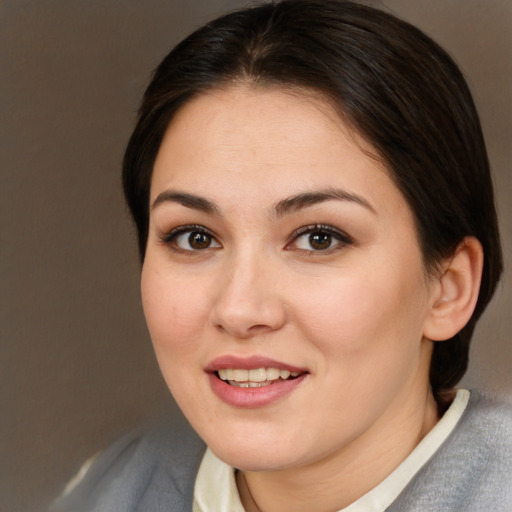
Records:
x=353, y=315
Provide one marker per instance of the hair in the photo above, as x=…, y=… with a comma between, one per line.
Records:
x=394, y=86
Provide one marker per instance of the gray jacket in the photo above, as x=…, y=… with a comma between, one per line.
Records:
x=155, y=471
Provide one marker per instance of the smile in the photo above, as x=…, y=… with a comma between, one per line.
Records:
x=254, y=378
x=255, y=381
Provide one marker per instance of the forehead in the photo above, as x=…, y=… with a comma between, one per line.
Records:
x=285, y=132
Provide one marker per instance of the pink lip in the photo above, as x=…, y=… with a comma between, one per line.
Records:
x=248, y=363
x=252, y=397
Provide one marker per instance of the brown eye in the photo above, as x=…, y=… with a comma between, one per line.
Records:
x=191, y=239
x=320, y=238
x=320, y=241
x=199, y=240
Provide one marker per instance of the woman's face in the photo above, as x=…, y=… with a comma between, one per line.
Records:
x=283, y=283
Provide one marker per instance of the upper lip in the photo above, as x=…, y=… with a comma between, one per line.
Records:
x=248, y=363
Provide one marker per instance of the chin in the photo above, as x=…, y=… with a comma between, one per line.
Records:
x=254, y=459
x=257, y=453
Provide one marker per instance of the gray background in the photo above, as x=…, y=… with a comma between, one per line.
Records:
x=76, y=363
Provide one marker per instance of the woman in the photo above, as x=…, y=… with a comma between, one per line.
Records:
x=317, y=229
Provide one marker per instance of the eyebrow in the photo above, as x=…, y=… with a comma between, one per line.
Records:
x=306, y=199
x=280, y=209
x=187, y=200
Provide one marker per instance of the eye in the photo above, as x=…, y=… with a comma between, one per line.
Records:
x=190, y=238
x=320, y=238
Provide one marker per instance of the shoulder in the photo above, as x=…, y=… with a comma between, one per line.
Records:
x=484, y=438
x=490, y=416
x=485, y=429
x=147, y=469
x=472, y=470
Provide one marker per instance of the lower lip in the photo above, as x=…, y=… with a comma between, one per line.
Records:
x=253, y=397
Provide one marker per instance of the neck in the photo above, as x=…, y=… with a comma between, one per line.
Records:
x=338, y=480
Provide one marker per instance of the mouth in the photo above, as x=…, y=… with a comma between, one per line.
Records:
x=255, y=381
x=255, y=377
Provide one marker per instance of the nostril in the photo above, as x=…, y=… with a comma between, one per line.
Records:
x=255, y=310
x=260, y=328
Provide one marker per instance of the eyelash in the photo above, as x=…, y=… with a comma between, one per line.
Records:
x=170, y=239
x=341, y=237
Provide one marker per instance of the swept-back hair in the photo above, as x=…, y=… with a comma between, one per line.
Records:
x=393, y=85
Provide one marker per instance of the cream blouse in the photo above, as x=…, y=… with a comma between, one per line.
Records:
x=216, y=490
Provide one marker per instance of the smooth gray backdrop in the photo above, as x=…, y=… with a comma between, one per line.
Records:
x=76, y=363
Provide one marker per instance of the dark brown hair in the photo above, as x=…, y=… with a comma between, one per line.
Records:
x=394, y=85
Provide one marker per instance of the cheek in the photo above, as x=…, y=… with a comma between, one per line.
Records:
x=365, y=315
x=175, y=311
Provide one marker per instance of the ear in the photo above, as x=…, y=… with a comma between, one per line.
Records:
x=455, y=291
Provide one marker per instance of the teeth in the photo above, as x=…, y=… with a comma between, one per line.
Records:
x=273, y=374
x=254, y=377
x=258, y=375
x=249, y=384
x=240, y=375
x=284, y=374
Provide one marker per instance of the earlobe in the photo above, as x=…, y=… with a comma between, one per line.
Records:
x=456, y=291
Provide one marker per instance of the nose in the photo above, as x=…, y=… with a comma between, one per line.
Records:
x=248, y=302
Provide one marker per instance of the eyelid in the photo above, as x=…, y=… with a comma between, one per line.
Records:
x=168, y=237
x=340, y=235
